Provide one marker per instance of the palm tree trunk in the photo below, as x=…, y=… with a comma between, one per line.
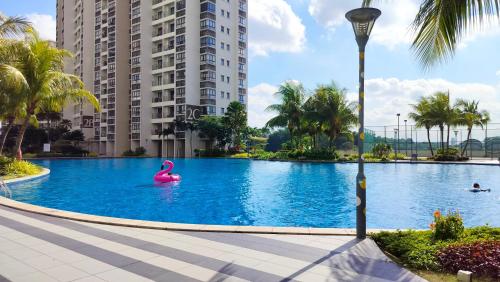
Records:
x=19, y=139
x=448, y=138
x=441, y=128
x=429, y=140
x=469, y=131
x=191, y=143
x=6, y=133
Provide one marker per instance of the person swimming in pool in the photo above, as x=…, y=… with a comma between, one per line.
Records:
x=476, y=186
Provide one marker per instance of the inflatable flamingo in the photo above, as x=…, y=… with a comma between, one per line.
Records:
x=164, y=175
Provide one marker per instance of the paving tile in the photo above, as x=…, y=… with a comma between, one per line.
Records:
x=68, y=256
x=65, y=273
x=119, y=275
x=42, y=262
x=37, y=276
x=22, y=253
x=92, y=266
x=15, y=269
x=89, y=279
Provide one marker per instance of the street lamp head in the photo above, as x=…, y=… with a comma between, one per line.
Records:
x=362, y=20
x=398, y=115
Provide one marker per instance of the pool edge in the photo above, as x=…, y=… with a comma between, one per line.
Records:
x=9, y=203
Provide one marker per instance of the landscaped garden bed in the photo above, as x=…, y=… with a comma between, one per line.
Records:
x=446, y=248
x=11, y=168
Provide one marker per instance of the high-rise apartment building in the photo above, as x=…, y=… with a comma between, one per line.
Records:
x=153, y=64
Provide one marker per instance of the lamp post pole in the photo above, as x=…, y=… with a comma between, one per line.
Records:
x=411, y=139
x=397, y=150
x=406, y=138
x=362, y=20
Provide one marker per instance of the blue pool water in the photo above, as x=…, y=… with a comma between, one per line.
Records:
x=261, y=193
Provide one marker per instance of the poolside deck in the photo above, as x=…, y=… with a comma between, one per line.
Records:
x=40, y=248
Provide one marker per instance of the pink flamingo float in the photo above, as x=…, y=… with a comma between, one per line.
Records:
x=164, y=175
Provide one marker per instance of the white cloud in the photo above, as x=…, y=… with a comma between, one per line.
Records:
x=391, y=29
x=44, y=24
x=274, y=28
x=498, y=73
x=387, y=96
x=260, y=97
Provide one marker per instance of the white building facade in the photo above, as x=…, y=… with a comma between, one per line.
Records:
x=150, y=63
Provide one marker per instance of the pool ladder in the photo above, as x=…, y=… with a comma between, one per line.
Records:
x=5, y=189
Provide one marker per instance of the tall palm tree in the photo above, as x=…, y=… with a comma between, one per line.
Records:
x=422, y=117
x=13, y=26
x=440, y=25
x=235, y=118
x=191, y=127
x=12, y=85
x=332, y=110
x=443, y=114
x=290, y=111
x=49, y=87
x=165, y=133
x=470, y=116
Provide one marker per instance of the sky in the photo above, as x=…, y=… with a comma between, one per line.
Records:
x=310, y=41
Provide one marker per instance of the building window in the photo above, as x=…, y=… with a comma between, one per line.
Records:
x=222, y=111
x=222, y=12
x=222, y=45
x=242, y=99
x=228, y=47
x=222, y=62
x=227, y=79
x=222, y=28
x=207, y=41
x=222, y=78
x=227, y=63
x=227, y=14
x=222, y=94
x=208, y=24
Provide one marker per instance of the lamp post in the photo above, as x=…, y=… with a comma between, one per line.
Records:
x=362, y=20
x=395, y=144
x=406, y=138
x=397, y=150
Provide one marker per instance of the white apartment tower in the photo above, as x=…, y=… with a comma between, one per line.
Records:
x=150, y=63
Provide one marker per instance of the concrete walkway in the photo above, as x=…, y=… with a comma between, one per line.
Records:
x=41, y=248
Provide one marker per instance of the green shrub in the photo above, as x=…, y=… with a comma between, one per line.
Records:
x=400, y=156
x=240, y=156
x=29, y=155
x=4, y=161
x=381, y=150
x=450, y=154
x=139, y=151
x=211, y=153
x=93, y=155
x=447, y=227
x=20, y=168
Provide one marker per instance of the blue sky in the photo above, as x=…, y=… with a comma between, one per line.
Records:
x=310, y=41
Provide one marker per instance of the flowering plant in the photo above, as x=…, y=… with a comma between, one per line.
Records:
x=447, y=227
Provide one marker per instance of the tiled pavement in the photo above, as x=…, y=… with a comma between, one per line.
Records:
x=42, y=248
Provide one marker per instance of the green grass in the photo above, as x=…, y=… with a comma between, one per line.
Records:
x=10, y=168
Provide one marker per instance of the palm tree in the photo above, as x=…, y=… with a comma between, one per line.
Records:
x=13, y=26
x=442, y=114
x=441, y=24
x=235, y=118
x=470, y=116
x=290, y=111
x=191, y=127
x=165, y=133
x=332, y=111
x=49, y=87
x=421, y=116
x=12, y=85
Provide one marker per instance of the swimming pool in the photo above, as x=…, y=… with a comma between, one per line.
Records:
x=262, y=193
